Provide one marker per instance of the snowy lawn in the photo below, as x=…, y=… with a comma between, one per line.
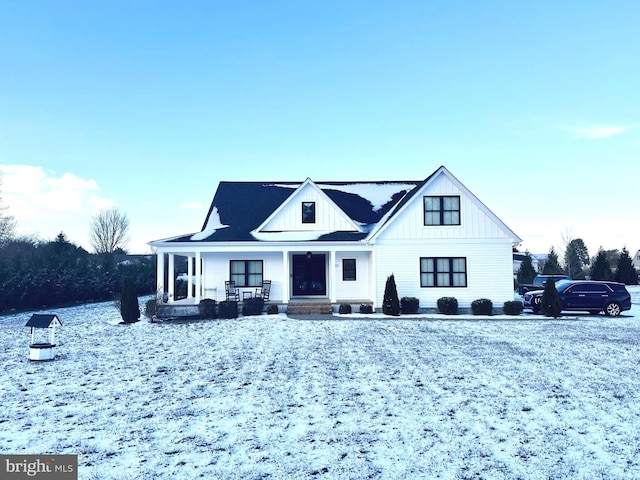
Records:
x=276, y=397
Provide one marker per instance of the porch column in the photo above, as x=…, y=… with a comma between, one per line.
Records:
x=159, y=276
x=373, y=280
x=198, y=276
x=285, y=276
x=172, y=277
x=333, y=271
x=189, y=277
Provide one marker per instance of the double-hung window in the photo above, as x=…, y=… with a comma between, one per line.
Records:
x=443, y=210
x=246, y=273
x=443, y=272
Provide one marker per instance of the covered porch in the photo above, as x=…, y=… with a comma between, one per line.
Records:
x=297, y=273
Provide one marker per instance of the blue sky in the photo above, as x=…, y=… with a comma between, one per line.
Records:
x=146, y=105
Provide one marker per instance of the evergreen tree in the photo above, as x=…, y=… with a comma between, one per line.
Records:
x=576, y=257
x=552, y=266
x=391, y=302
x=129, y=306
x=625, y=273
x=551, y=303
x=600, y=268
x=526, y=272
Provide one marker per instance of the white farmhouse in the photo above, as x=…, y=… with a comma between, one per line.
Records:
x=337, y=242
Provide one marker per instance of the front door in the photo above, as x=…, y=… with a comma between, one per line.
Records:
x=309, y=275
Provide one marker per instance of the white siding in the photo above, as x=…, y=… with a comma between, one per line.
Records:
x=216, y=271
x=474, y=221
x=329, y=218
x=489, y=270
x=353, y=290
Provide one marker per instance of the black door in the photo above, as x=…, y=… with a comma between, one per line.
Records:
x=309, y=275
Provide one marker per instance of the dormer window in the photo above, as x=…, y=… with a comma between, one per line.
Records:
x=308, y=212
x=442, y=210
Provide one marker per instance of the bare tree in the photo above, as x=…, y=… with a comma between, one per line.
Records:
x=7, y=222
x=109, y=231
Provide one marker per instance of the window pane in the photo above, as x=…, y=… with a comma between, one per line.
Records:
x=432, y=203
x=432, y=218
x=349, y=269
x=426, y=280
x=443, y=265
x=459, y=265
x=443, y=280
x=459, y=280
x=451, y=203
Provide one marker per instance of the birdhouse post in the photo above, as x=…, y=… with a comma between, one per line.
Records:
x=43, y=350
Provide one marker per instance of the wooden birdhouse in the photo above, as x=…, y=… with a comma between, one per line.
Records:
x=43, y=350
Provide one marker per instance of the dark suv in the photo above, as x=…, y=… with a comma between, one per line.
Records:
x=586, y=296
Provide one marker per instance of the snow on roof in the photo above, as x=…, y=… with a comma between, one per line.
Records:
x=213, y=224
x=378, y=194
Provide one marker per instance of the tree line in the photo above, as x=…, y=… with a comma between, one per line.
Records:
x=36, y=274
x=608, y=265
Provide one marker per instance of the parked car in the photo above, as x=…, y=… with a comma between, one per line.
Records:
x=539, y=282
x=591, y=296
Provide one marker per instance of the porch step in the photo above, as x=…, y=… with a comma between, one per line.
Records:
x=309, y=308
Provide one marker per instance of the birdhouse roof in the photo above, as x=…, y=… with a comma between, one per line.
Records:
x=43, y=320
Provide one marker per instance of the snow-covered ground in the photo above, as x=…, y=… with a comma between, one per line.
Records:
x=277, y=397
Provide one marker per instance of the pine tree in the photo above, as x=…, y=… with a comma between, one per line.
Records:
x=391, y=302
x=576, y=256
x=552, y=266
x=129, y=306
x=625, y=273
x=526, y=272
x=551, y=303
x=600, y=269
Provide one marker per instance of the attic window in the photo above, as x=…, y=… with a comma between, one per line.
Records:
x=308, y=212
x=442, y=210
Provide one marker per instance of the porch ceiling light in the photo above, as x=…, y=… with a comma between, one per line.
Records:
x=308, y=255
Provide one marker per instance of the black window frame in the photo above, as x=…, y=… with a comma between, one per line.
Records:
x=308, y=212
x=244, y=278
x=436, y=274
x=441, y=211
x=348, y=269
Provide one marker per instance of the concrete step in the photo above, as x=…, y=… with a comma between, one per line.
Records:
x=309, y=308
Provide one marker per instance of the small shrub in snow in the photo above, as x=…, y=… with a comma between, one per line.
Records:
x=228, y=309
x=150, y=308
x=207, y=308
x=513, y=307
x=344, y=308
x=448, y=305
x=482, y=306
x=366, y=308
x=409, y=305
x=272, y=309
x=252, y=306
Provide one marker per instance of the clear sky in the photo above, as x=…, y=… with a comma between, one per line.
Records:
x=146, y=105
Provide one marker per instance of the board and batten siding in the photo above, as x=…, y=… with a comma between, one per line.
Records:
x=489, y=275
x=328, y=217
x=216, y=271
x=474, y=221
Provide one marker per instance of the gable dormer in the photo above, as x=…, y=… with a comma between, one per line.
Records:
x=308, y=210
